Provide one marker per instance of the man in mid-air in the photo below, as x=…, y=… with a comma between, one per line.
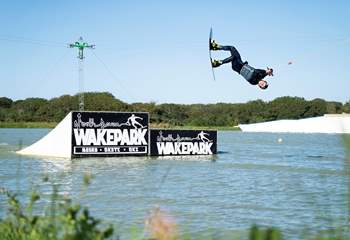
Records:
x=252, y=75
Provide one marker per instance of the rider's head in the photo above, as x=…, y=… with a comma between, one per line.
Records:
x=269, y=71
x=263, y=84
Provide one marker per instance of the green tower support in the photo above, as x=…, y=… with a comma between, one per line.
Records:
x=81, y=45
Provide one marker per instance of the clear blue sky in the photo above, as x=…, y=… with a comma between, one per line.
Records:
x=157, y=50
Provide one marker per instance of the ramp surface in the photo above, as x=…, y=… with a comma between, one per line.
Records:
x=57, y=143
x=329, y=123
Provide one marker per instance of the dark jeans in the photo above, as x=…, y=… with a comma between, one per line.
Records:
x=235, y=58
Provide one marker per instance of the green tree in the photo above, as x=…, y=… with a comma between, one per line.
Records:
x=58, y=108
x=316, y=107
x=346, y=107
x=27, y=110
x=197, y=115
x=254, y=111
x=103, y=101
x=174, y=114
x=219, y=114
x=5, y=102
x=286, y=108
x=153, y=110
x=334, y=107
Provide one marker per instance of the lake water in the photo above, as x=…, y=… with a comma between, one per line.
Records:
x=297, y=184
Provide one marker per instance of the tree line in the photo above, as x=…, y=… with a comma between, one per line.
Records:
x=168, y=114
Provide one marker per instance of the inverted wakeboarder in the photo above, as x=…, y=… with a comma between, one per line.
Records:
x=252, y=75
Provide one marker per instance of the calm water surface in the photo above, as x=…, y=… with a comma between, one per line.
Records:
x=295, y=185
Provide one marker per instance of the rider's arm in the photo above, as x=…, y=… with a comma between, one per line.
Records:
x=260, y=73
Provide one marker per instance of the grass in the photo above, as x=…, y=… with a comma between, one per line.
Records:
x=219, y=128
x=154, y=126
x=27, y=124
x=64, y=220
x=61, y=219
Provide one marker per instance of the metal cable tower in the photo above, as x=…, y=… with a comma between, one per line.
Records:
x=81, y=45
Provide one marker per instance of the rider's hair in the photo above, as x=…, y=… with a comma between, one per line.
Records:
x=266, y=86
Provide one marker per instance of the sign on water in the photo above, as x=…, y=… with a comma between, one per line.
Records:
x=109, y=133
x=183, y=142
x=101, y=134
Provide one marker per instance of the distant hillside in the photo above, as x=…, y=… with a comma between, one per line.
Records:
x=204, y=115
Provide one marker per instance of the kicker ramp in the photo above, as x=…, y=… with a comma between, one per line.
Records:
x=329, y=123
x=57, y=143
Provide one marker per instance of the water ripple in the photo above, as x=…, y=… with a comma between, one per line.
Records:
x=295, y=185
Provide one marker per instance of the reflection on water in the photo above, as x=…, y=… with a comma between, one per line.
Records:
x=295, y=184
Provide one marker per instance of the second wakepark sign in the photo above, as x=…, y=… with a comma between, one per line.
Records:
x=183, y=142
x=109, y=133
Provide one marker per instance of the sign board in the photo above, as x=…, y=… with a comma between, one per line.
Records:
x=183, y=142
x=109, y=133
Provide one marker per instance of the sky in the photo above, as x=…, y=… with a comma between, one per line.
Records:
x=157, y=51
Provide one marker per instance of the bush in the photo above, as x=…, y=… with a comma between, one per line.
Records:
x=63, y=220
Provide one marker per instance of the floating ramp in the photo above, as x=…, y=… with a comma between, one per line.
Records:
x=57, y=143
x=329, y=123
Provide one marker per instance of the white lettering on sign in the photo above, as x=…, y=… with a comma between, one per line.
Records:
x=111, y=149
x=89, y=150
x=105, y=137
x=177, y=148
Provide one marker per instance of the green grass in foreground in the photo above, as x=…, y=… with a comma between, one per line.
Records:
x=61, y=219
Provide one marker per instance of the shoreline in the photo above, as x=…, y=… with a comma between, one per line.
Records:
x=28, y=124
x=153, y=126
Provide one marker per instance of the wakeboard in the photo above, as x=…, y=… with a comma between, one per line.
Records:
x=210, y=58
